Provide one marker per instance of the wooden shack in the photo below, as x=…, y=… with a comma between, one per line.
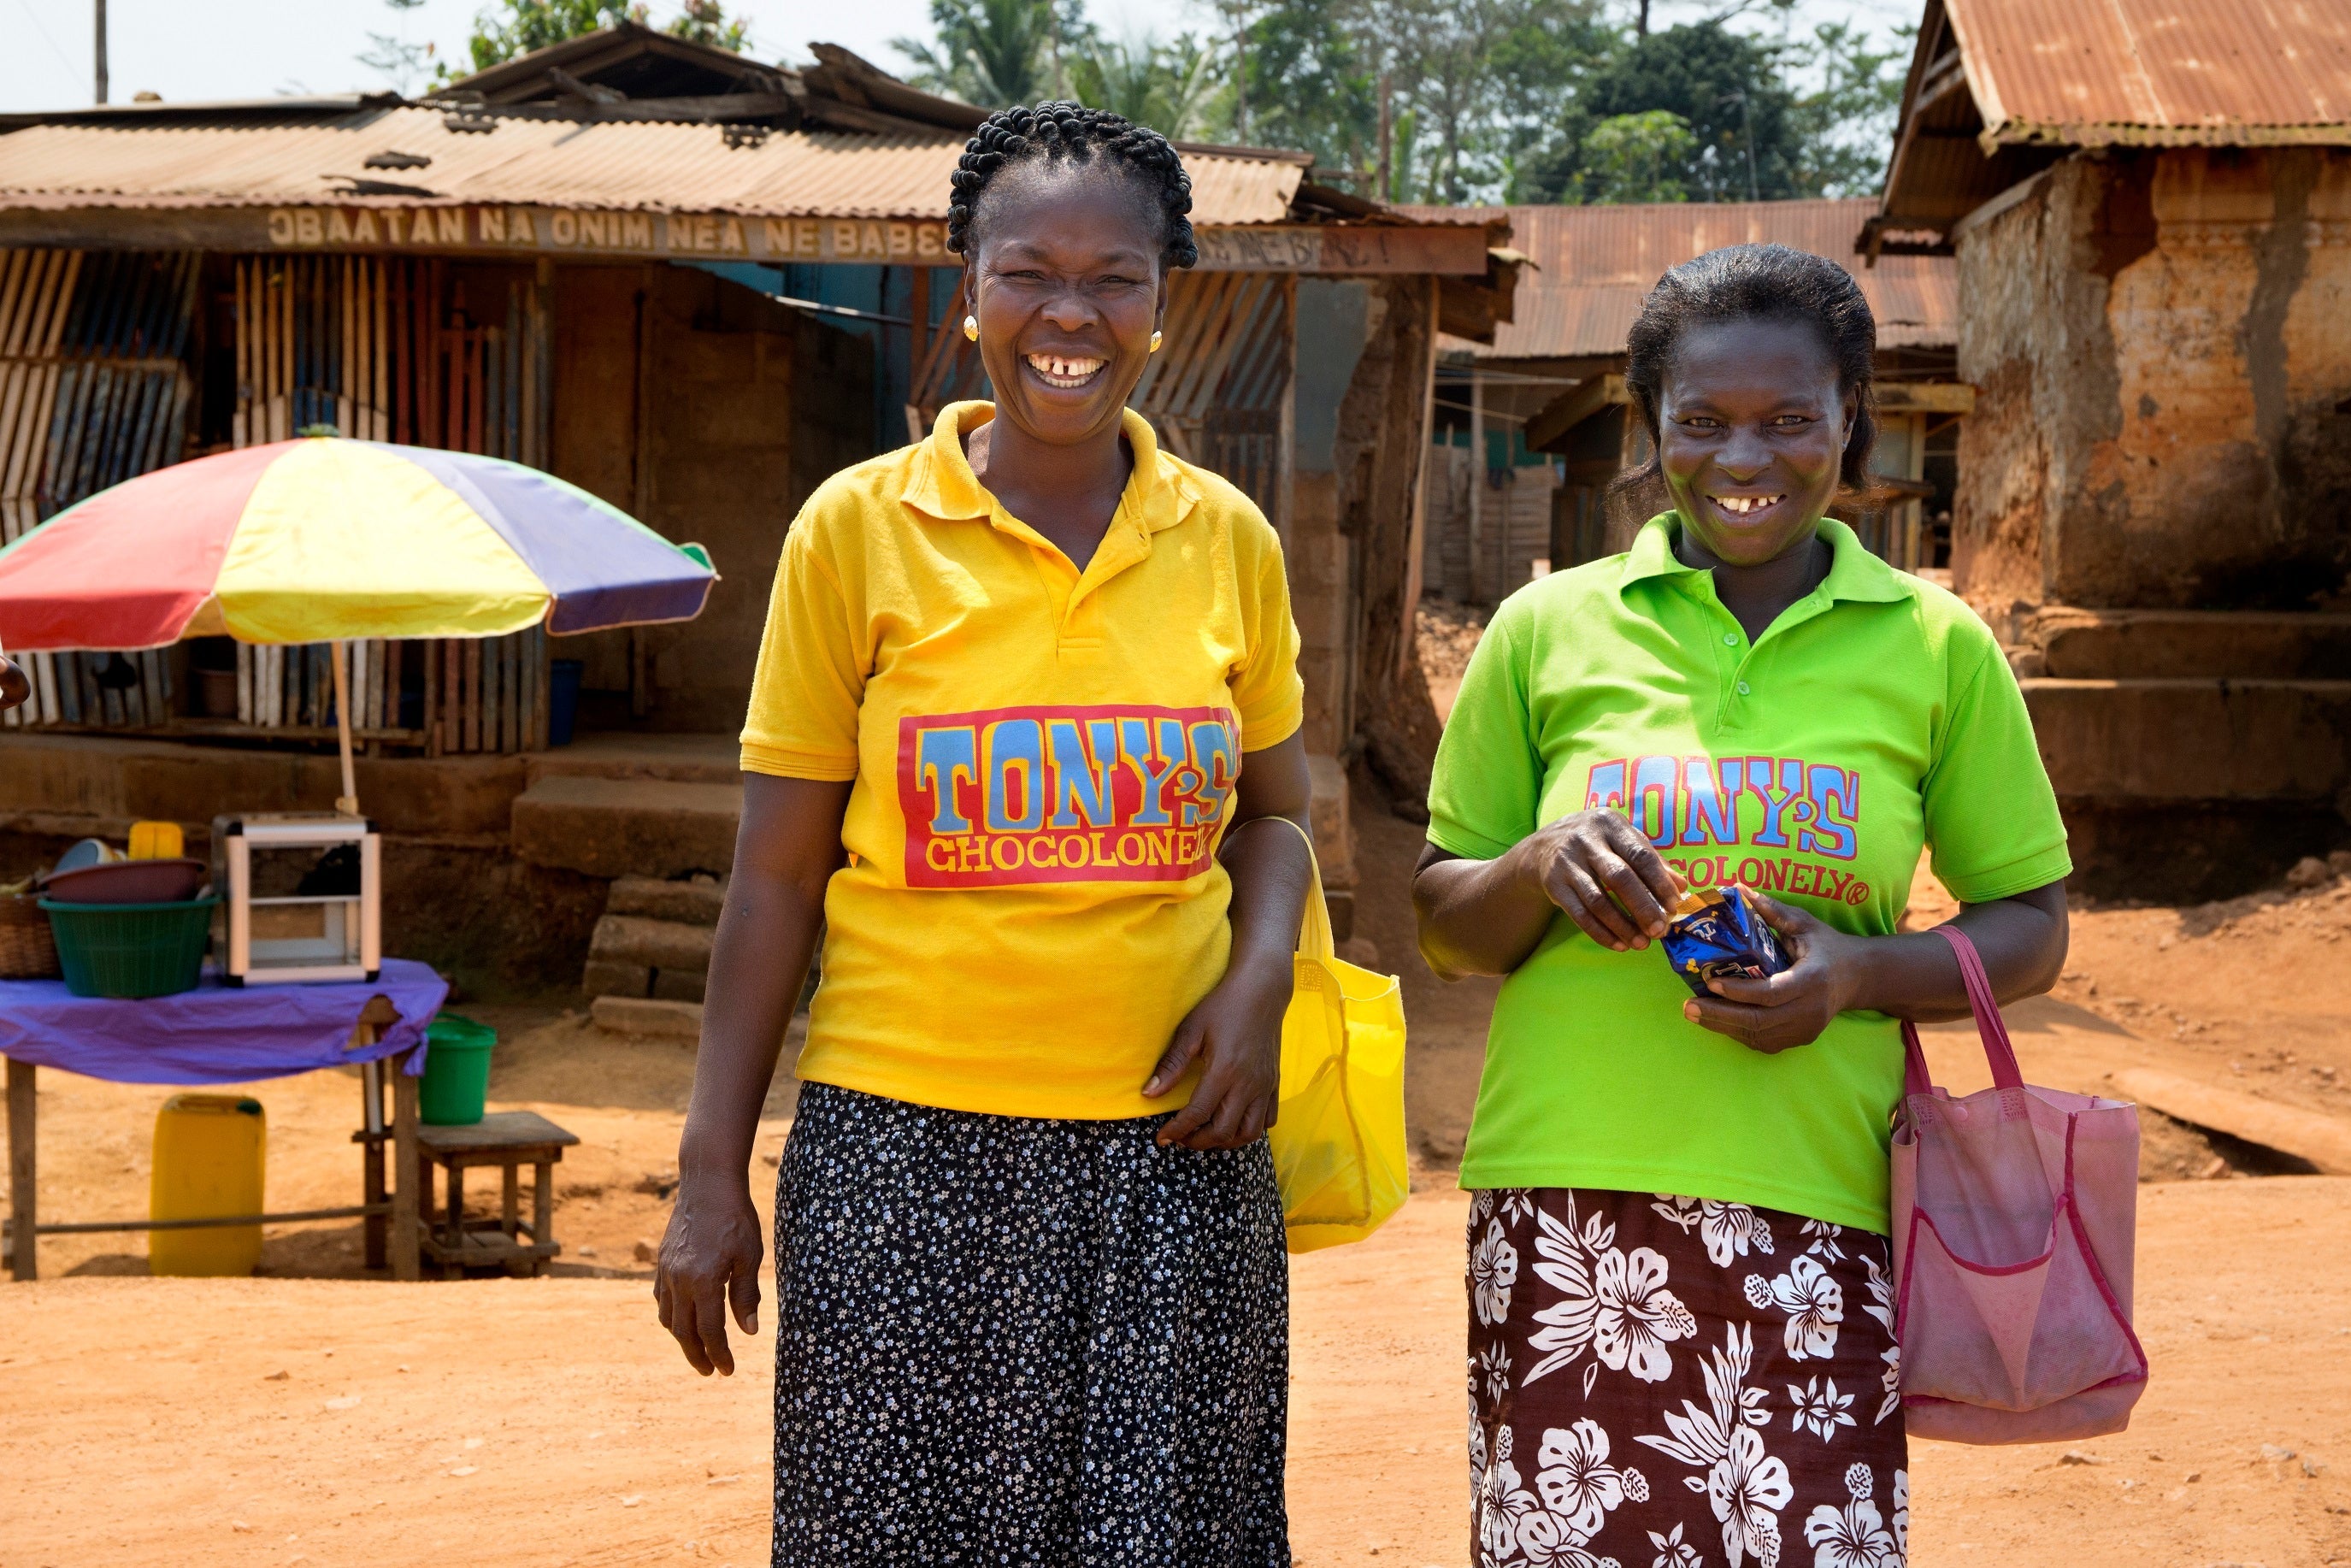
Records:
x=693, y=285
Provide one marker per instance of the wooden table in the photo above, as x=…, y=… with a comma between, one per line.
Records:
x=395, y=1202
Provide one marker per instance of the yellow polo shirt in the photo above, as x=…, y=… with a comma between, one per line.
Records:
x=1043, y=761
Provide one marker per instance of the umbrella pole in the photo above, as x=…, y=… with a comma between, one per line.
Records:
x=348, y=802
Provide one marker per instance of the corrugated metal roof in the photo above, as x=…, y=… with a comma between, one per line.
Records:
x=2089, y=73
x=636, y=165
x=1595, y=265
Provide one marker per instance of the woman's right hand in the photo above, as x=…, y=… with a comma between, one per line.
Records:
x=1580, y=861
x=709, y=1261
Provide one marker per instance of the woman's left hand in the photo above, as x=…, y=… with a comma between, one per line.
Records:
x=1237, y=1032
x=1791, y=1008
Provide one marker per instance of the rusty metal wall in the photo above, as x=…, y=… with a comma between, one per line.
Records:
x=390, y=350
x=94, y=389
x=1593, y=266
x=639, y=165
x=2159, y=71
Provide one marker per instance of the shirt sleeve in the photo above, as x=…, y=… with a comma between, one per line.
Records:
x=1486, y=786
x=1991, y=816
x=810, y=681
x=1266, y=689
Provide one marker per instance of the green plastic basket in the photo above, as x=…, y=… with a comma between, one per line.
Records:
x=131, y=949
x=456, y=1079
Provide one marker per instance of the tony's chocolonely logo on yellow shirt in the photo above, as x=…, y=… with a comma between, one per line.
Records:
x=1112, y=792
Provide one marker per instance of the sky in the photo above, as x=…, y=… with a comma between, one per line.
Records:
x=195, y=51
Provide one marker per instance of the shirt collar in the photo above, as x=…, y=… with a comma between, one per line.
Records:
x=1854, y=573
x=1159, y=494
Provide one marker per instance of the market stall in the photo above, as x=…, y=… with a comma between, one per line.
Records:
x=231, y=1034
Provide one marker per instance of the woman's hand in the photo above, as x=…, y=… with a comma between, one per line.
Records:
x=1824, y=977
x=1581, y=861
x=785, y=851
x=709, y=1261
x=1236, y=1031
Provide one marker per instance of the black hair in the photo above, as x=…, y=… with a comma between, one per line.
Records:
x=1072, y=133
x=1750, y=282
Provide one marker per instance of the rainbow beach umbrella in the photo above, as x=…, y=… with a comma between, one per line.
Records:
x=322, y=540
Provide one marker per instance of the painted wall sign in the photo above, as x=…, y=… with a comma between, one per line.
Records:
x=484, y=229
x=599, y=232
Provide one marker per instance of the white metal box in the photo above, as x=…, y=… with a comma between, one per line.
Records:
x=301, y=898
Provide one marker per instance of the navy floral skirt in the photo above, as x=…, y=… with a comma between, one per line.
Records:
x=1004, y=1340
x=1673, y=1381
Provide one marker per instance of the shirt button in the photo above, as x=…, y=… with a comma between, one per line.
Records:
x=1731, y=639
x=1742, y=688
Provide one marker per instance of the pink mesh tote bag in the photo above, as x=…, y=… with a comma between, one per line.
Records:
x=2013, y=1214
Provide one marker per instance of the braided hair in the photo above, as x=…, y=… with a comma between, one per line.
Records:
x=1072, y=133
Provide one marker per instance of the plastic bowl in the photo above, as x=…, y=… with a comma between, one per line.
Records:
x=130, y=881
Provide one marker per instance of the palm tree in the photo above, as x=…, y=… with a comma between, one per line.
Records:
x=1163, y=86
x=993, y=53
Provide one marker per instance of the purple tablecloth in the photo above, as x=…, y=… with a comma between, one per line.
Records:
x=216, y=1033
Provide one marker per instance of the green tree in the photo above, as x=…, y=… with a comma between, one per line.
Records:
x=1482, y=81
x=517, y=26
x=998, y=53
x=401, y=61
x=1844, y=125
x=1635, y=158
x=706, y=22
x=1166, y=87
x=1725, y=86
x=514, y=27
x=1310, y=86
x=1765, y=119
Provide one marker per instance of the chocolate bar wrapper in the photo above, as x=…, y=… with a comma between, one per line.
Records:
x=1724, y=939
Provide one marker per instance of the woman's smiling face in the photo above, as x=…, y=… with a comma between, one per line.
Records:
x=1752, y=431
x=1070, y=288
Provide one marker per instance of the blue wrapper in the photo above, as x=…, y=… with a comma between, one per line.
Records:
x=1725, y=938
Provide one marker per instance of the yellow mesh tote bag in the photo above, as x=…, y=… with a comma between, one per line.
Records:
x=1338, y=1142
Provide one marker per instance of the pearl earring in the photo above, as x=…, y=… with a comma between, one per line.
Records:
x=971, y=328
x=1155, y=342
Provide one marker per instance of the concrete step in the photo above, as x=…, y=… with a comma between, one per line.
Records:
x=691, y=903
x=632, y=1015
x=2077, y=643
x=680, y=758
x=2145, y=741
x=624, y=826
x=655, y=943
x=602, y=978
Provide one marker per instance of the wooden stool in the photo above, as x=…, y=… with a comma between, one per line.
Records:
x=509, y=1140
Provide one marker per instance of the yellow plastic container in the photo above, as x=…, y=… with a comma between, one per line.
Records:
x=155, y=841
x=210, y=1154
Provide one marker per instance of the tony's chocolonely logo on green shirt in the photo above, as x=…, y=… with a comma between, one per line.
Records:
x=1690, y=805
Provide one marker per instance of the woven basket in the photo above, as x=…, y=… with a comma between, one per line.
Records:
x=28, y=951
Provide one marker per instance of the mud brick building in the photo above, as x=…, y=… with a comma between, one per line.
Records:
x=694, y=284
x=2150, y=205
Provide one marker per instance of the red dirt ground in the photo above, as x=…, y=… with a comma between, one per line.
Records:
x=316, y=1416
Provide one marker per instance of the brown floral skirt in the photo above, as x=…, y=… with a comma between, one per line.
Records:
x=1669, y=1381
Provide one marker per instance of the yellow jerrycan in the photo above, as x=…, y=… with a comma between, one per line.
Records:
x=210, y=1150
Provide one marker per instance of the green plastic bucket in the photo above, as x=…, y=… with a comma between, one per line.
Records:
x=131, y=949
x=456, y=1072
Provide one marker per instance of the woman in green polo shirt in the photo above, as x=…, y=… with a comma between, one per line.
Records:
x=1681, y=1320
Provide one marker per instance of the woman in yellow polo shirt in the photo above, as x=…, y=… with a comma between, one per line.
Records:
x=1028, y=697
x=1681, y=1322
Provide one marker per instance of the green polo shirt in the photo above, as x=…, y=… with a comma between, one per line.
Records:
x=1878, y=714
